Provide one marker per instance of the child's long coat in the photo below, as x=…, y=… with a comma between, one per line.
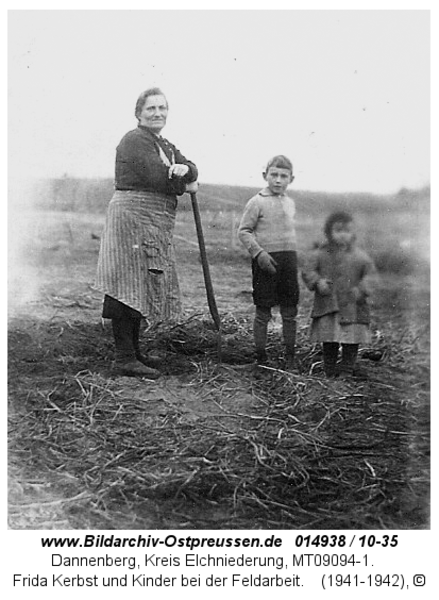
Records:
x=347, y=269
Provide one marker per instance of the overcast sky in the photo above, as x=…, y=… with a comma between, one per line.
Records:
x=345, y=94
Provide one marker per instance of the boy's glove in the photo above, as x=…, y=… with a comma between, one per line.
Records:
x=266, y=262
x=324, y=287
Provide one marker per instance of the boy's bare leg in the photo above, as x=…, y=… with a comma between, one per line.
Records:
x=260, y=326
x=288, y=314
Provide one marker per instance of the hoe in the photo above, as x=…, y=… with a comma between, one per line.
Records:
x=206, y=272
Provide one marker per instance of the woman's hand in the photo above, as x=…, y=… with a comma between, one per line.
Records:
x=178, y=170
x=191, y=188
x=324, y=287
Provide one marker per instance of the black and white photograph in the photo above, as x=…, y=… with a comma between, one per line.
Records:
x=219, y=270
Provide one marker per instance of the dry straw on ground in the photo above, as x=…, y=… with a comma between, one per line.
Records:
x=221, y=445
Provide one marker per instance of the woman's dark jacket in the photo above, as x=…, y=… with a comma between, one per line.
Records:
x=347, y=269
x=139, y=166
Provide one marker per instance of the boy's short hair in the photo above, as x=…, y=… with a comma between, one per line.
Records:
x=281, y=162
x=339, y=216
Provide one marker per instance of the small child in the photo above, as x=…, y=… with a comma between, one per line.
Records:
x=339, y=274
x=267, y=230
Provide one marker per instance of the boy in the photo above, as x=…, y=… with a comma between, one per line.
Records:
x=267, y=230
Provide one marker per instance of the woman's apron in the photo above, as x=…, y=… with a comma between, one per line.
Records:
x=137, y=260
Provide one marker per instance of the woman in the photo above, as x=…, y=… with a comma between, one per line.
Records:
x=136, y=267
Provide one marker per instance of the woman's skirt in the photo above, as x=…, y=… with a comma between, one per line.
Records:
x=329, y=329
x=136, y=264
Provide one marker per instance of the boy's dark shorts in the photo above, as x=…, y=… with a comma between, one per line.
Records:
x=282, y=288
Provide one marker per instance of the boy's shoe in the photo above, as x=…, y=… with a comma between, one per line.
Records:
x=263, y=363
x=290, y=363
x=134, y=368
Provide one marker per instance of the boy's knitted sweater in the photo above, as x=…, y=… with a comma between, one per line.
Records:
x=268, y=223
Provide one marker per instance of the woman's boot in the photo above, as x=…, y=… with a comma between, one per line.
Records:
x=150, y=359
x=126, y=362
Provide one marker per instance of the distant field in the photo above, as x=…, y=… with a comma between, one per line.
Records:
x=394, y=228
